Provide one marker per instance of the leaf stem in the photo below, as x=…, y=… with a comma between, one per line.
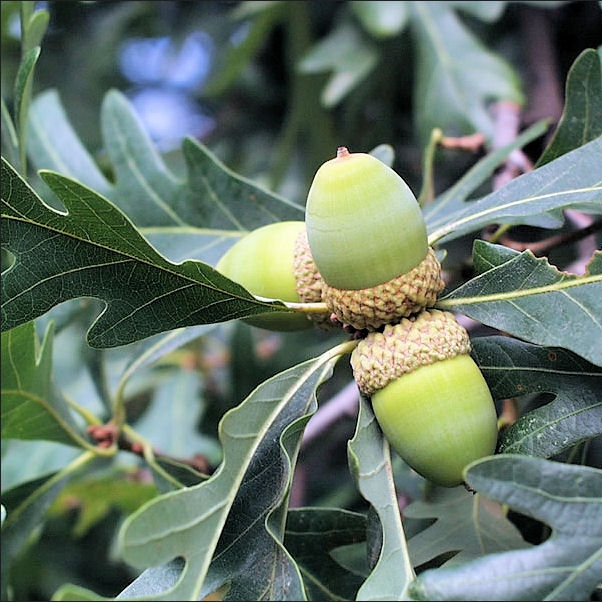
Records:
x=308, y=308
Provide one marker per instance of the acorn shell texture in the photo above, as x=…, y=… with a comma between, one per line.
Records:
x=428, y=394
x=364, y=224
x=262, y=262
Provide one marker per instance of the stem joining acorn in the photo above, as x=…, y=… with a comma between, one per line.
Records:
x=368, y=239
x=274, y=261
x=428, y=394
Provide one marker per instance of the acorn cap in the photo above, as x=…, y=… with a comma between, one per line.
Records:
x=364, y=224
x=370, y=308
x=429, y=337
x=309, y=282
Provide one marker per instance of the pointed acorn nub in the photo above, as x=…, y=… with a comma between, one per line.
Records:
x=364, y=224
x=428, y=394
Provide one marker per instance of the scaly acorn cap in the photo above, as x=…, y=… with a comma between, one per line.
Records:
x=387, y=303
x=364, y=224
x=428, y=394
x=309, y=281
x=429, y=337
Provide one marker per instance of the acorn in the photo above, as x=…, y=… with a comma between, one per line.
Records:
x=428, y=395
x=368, y=238
x=274, y=261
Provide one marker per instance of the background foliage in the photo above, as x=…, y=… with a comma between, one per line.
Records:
x=155, y=446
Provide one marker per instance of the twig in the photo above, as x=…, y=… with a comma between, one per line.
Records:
x=507, y=121
x=345, y=402
x=543, y=247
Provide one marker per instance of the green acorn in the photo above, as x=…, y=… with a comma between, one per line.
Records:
x=368, y=239
x=274, y=262
x=428, y=394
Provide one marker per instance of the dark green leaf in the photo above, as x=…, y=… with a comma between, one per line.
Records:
x=514, y=368
x=26, y=506
x=536, y=198
x=581, y=119
x=31, y=406
x=239, y=506
x=567, y=566
x=370, y=463
x=217, y=198
x=466, y=526
x=528, y=298
x=311, y=536
x=95, y=251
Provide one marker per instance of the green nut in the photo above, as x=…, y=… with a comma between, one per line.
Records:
x=368, y=239
x=264, y=262
x=428, y=394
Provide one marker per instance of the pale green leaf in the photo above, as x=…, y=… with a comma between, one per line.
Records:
x=258, y=438
x=172, y=418
x=43, y=458
x=447, y=94
x=32, y=408
x=10, y=139
x=198, y=216
x=23, y=83
x=370, y=463
x=382, y=19
x=75, y=593
x=144, y=187
x=567, y=566
x=35, y=27
x=466, y=526
x=53, y=144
